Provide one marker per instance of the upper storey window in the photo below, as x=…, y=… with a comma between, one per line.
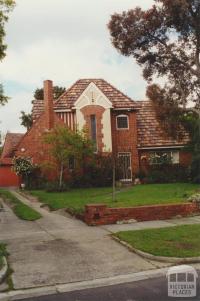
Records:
x=122, y=122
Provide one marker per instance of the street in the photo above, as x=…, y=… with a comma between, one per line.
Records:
x=145, y=290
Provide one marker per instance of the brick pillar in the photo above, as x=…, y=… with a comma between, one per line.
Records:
x=48, y=104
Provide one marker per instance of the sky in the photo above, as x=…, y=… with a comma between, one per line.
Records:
x=62, y=40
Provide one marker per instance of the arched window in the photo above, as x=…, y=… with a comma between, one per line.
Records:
x=122, y=122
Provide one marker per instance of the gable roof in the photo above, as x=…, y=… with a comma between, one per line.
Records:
x=117, y=98
x=149, y=130
x=67, y=100
x=10, y=144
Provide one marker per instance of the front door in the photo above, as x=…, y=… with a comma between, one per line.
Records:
x=125, y=166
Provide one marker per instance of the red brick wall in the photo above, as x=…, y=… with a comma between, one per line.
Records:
x=185, y=158
x=34, y=147
x=102, y=215
x=8, y=178
x=126, y=140
x=98, y=111
x=32, y=144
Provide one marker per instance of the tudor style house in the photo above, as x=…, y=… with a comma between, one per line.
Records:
x=116, y=123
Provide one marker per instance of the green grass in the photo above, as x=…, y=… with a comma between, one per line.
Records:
x=21, y=210
x=180, y=241
x=76, y=199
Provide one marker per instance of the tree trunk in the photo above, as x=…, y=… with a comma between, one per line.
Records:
x=61, y=176
x=113, y=186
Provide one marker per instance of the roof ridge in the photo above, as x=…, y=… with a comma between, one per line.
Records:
x=113, y=87
x=11, y=133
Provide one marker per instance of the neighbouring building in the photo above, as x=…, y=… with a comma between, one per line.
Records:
x=118, y=124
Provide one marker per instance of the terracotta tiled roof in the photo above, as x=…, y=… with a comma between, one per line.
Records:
x=37, y=109
x=70, y=96
x=117, y=98
x=10, y=144
x=150, y=132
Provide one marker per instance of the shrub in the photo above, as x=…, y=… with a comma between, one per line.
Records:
x=195, y=168
x=97, y=173
x=140, y=175
x=194, y=198
x=22, y=166
x=54, y=187
x=35, y=180
x=168, y=174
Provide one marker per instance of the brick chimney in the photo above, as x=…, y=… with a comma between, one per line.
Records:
x=48, y=104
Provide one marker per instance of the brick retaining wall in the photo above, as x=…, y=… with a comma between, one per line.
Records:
x=100, y=214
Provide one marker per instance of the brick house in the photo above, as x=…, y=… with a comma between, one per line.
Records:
x=115, y=122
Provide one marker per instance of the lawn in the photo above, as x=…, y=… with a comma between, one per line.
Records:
x=179, y=241
x=21, y=210
x=140, y=195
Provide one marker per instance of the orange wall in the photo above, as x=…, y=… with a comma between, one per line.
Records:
x=8, y=177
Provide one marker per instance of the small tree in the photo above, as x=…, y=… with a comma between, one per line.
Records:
x=64, y=144
x=23, y=167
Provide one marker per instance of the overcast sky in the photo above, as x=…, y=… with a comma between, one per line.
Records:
x=62, y=40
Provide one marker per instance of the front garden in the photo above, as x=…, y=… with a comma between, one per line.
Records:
x=140, y=195
x=179, y=241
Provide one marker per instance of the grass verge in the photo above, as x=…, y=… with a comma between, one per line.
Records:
x=21, y=210
x=76, y=199
x=179, y=241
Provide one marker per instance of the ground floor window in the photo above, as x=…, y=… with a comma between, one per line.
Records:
x=164, y=157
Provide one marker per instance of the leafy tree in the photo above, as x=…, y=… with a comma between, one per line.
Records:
x=5, y=7
x=64, y=144
x=26, y=120
x=165, y=42
x=193, y=125
x=57, y=92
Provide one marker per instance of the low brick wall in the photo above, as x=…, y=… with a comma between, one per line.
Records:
x=100, y=214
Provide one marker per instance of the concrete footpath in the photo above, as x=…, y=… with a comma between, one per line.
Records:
x=60, y=249
x=153, y=224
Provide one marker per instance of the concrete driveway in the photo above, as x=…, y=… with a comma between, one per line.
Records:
x=57, y=249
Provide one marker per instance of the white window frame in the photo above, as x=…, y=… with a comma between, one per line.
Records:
x=122, y=115
x=171, y=152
